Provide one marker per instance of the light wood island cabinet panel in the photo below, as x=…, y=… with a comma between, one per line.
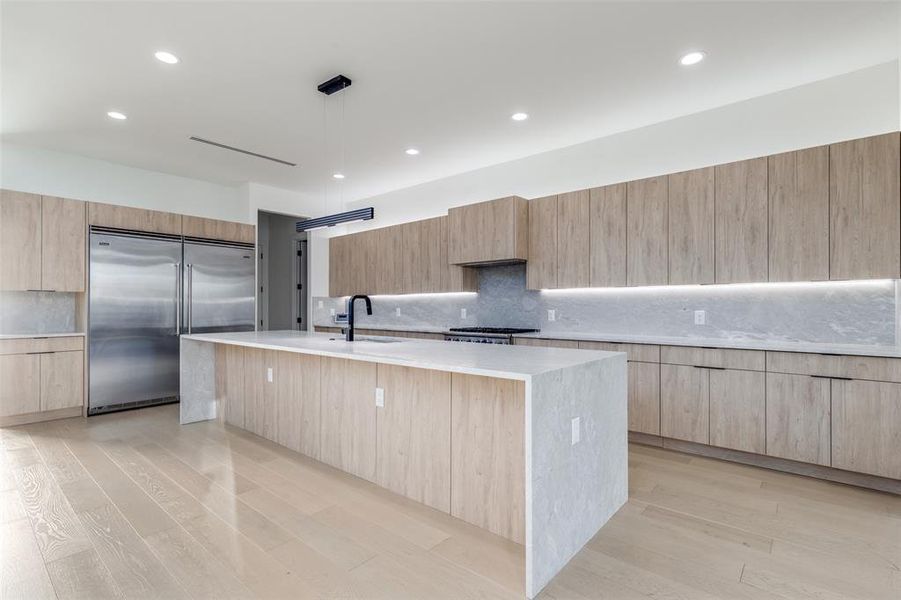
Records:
x=865, y=217
x=798, y=418
x=798, y=188
x=691, y=218
x=737, y=410
x=215, y=229
x=489, y=232
x=62, y=244
x=413, y=432
x=260, y=408
x=137, y=219
x=20, y=241
x=541, y=269
x=644, y=397
x=62, y=380
x=866, y=427
x=348, y=413
x=20, y=384
x=741, y=221
x=607, y=236
x=685, y=403
x=488, y=454
x=646, y=220
x=573, y=209
x=298, y=399
x=230, y=383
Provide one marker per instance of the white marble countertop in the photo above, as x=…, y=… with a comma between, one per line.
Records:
x=20, y=336
x=775, y=346
x=506, y=362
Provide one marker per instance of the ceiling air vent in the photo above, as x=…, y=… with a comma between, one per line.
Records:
x=242, y=151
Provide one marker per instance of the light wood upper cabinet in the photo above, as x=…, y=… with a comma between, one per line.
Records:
x=691, y=218
x=390, y=253
x=738, y=410
x=489, y=232
x=136, y=219
x=541, y=269
x=798, y=184
x=412, y=256
x=607, y=236
x=741, y=221
x=20, y=241
x=215, y=229
x=339, y=266
x=455, y=278
x=865, y=218
x=573, y=209
x=646, y=254
x=798, y=418
x=63, y=244
x=866, y=427
x=432, y=257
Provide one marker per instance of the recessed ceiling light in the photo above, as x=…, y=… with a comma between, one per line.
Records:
x=412, y=151
x=338, y=175
x=114, y=114
x=692, y=58
x=520, y=116
x=166, y=57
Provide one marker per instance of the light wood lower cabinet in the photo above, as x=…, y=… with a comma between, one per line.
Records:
x=349, y=416
x=866, y=427
x=488, y=454
x=413, y=432
x=62, y=380
x=798, y=418
x=20, y=384
x=685, y=403
x=737, y=409
x=644, y=397
x=260, y=408
x=298, y=396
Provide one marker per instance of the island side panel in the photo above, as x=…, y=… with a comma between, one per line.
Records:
x=197, y=380
x=488, y=453
x=573, y=488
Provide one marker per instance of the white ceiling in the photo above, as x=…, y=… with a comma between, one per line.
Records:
x=443, y=77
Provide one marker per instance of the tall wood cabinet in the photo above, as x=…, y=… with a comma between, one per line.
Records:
x=646, y=231
x=607, y=236
x=865, y=216
x=541, y=268
x=741, y=221
x=42, y=243
x=691, y=217
x=573, y=209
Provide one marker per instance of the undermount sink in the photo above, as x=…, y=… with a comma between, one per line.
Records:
x=369, y=339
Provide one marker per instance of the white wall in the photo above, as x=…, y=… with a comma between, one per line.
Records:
x=52, y=173
x=857, y=104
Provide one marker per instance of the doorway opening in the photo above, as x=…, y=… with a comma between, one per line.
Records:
x=283, y=274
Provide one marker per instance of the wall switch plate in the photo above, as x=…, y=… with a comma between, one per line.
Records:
x=462, y=313
x=380, y=397
x=397, y=312
x=576, y=430
x=551, y=314
x=700, y=317
x=331, y=312
x=269, y=374
x=319, y=304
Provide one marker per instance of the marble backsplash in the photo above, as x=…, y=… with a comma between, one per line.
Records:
x=37, y=312
x=839, y=312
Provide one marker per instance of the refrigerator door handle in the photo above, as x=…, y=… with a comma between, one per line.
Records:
x=190, y=301
x=177, y=298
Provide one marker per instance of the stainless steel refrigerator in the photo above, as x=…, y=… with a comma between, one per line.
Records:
x=146, y=290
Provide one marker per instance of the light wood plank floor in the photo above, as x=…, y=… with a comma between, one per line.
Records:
x=132, y=505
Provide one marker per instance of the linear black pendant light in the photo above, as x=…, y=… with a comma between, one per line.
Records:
x=361, y=214
x=335, y=84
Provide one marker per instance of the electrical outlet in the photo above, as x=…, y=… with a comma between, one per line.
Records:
x=380, y=397
x=397, y=312
x=700, y=317
x=319, y=304
x=576, y=430
x=551, y=314
x=269, y=374
x=462, y=313
x=331, y=312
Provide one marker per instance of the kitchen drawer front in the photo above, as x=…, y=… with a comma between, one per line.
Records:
x=874, y=368
x=648, y=353
x=717, y=358
x=36, y=345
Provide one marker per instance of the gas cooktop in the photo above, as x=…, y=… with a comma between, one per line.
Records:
x=490, y=330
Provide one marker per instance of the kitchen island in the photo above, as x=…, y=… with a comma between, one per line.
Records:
x=528, y=443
